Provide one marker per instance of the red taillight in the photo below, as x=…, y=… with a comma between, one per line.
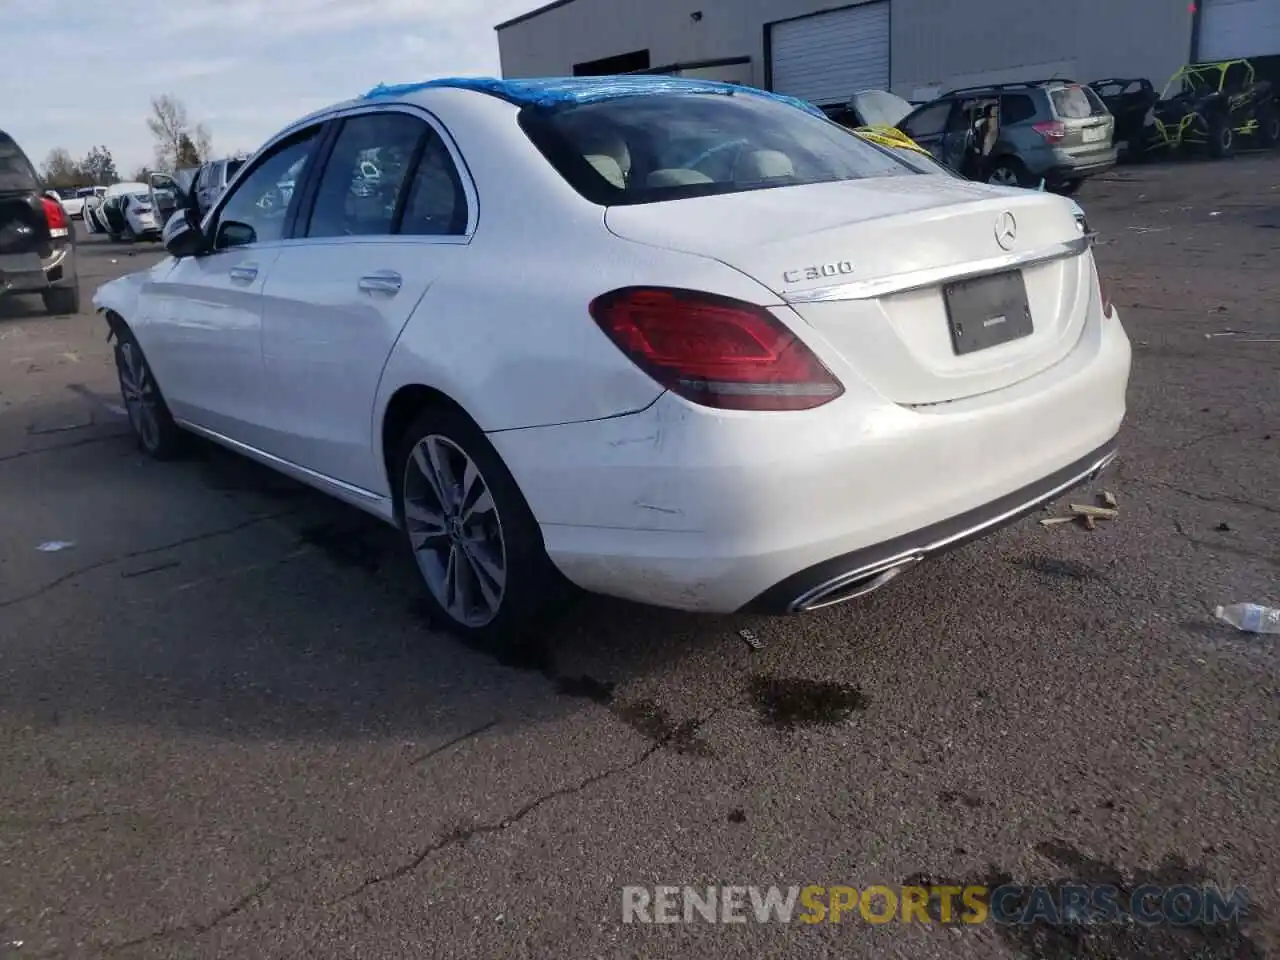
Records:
x=1053, y=130
x=56, y=216
x=714, y=350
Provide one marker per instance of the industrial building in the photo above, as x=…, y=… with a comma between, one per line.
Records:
x=823, y=51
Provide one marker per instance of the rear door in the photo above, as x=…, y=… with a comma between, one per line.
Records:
x=24, y=229
x=1087, y=123
x=388, y=214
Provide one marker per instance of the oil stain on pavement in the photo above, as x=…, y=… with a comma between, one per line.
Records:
x=787, y=703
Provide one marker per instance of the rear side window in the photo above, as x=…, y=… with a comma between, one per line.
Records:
x=1076, y=103
x=16, y=172
x=655, y=147
x=1016, y=108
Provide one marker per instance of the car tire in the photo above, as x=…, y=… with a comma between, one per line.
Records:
x=486, y=532
x=61, y=300
x=113, y=237
x=1222, y=139
x=1069, y=188
x=154, y=429
x=1010, y=172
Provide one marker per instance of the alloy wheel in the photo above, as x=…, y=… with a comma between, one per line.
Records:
x=138, y=390
x=1004, y=177
x=455, y=531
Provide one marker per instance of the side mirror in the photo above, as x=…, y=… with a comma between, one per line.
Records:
x=233, y=233
x=182, y=236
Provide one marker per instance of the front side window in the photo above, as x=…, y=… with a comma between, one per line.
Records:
x=928, y=121
x=256, y=210
x=655, y=147
x=361, y=182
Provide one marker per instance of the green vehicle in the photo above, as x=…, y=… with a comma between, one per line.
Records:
x=1210, y=107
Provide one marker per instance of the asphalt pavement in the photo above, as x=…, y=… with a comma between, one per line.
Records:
x=226, y=728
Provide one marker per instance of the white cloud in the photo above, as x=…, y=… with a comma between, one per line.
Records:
x=243, y=67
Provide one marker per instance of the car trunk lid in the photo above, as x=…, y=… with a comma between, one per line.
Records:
x=864, y=263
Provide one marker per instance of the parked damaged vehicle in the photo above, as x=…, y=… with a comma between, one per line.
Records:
x=1207, y=108
x=1130, y=100
x=731, y=302
x=37, y=242
x=124, y=211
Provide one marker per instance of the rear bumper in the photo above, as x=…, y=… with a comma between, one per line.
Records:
x=858, y=573
x=30, y=273
x=1066, y=167
x=717, y=511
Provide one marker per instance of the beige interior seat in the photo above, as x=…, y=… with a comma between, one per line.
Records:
x=676, y=177
x=765, y=165
x=599, y=146
x=608, y=168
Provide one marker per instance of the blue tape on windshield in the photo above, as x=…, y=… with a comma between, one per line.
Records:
x=554, y=91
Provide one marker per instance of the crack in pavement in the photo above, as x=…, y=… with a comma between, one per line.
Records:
x=450, y=744
x=196, y=928
x=134, y=554
x=84, y=441
x=462, y=835
x=1220, y=499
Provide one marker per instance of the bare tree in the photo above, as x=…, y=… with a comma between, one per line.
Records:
x=141, y=175
x=99, y=168
x=59, y=170
x=178, y=142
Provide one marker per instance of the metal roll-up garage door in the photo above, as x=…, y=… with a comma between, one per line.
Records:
x=827, y=57
x=1238, y=28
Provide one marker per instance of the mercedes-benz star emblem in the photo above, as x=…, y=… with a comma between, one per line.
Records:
x=1006, y=230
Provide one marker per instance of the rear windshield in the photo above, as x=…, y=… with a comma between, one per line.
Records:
x=1076, y=103
x=655, y=147
x=16, y=172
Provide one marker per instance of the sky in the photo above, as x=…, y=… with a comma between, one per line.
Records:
x=82, y=72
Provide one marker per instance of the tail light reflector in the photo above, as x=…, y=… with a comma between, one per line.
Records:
x=1053, y=130
x=714, y=350
x=56, y=216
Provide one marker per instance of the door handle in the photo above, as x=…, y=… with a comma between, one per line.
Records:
x=384, y=281
x=245, y=274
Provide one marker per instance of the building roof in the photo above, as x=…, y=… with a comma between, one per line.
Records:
x=536, y=12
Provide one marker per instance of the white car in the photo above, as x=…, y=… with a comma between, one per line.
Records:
x=73, y=200
x=123, y=210
x=541, y=347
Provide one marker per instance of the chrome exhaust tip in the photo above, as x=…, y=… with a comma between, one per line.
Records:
x=851, y=586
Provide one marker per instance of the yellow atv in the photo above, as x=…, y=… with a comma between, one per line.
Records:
x=1210, y=106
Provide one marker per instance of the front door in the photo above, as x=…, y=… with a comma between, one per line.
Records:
x=928, y=127
x=389, y=216
x=208, y=338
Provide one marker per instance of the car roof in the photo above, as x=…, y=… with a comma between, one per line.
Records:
x=554, y=91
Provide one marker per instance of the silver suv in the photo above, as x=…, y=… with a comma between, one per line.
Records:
x=212, y=179
x=1018, y=134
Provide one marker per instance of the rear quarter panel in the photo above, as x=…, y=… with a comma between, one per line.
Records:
x=507, y=333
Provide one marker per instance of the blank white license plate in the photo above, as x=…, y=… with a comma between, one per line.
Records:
x=1094, y=134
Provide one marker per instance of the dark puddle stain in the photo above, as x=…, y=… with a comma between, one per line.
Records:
x=651, y=721
x=790, y=702
x=346, y=545
x=1079, y=939
x=586, y=688
x=968, y=799
x=737, y=816
x=1056, y=567
x=534, y=656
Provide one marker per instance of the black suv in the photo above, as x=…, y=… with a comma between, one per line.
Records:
x=37, y=241
x=1018, y=134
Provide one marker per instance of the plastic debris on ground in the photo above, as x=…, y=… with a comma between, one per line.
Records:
x=1250, y=617
x=556, y=91
x=53, y=546
x=1087, y=515
x=754, y=642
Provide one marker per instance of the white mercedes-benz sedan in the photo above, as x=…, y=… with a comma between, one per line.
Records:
x=681, y=342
